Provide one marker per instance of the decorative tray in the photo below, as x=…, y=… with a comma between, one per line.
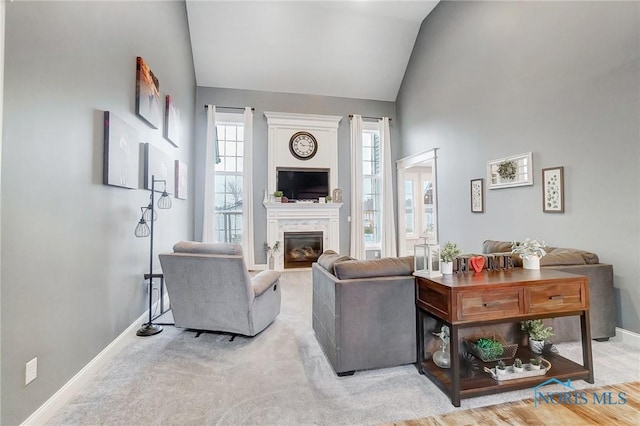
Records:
x=509, y=374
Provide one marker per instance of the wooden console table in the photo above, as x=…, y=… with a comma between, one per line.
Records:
x=477, y=299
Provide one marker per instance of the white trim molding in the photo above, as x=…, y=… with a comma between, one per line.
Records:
x=628, y=337
x=78, y=382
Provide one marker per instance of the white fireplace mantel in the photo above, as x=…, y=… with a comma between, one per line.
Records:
x=303, y=217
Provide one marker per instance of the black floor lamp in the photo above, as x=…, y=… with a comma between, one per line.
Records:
x=150, y=215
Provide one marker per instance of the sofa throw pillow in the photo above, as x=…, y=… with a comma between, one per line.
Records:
x=329, y=258
x=387, y=267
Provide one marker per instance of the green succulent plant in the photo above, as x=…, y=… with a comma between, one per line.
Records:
x=536, y=329
x=489, y=348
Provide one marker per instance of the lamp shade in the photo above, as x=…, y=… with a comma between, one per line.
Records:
x=148, y=212
x=142, y=229
x=164, y=202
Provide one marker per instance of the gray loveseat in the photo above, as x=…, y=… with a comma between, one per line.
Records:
x=364, y=311
x=601, y=292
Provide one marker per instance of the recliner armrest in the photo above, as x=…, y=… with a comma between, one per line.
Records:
x=263, y=281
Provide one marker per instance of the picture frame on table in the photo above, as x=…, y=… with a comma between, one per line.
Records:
x=553, y=190
x=477, y=195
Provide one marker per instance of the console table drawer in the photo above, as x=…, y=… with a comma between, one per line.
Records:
x=433, y=297
x=489, y=304
x=556, y=297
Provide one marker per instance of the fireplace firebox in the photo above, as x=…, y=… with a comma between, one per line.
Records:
x=301, y=249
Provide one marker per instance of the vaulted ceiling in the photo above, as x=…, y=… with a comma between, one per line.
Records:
x=354, y=49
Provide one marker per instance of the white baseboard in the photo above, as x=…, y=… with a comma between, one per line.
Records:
x=78, y=382
x=628, y=337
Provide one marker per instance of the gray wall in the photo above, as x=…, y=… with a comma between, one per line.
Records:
x=561, y=79
x=285, y=102
x=71, y=266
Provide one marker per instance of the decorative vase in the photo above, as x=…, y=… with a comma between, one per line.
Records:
x=272, y=262
x=531, y=262
x=265, y=199
x=536, y=345
x=447, y=268
x=442, y=358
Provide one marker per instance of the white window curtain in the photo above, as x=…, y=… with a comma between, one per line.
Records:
x=247, y=189
x=211, y=156
x=357, y=226
x=388, y=234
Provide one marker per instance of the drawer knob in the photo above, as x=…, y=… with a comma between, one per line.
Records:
x=557, y=297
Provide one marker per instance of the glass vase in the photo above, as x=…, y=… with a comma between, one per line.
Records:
x=442, y=358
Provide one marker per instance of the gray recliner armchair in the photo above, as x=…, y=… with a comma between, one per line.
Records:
x=211, y=289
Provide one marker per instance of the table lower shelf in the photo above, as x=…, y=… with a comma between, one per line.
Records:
x=483, y=384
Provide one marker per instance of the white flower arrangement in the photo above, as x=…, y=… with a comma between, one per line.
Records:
x=529, y=247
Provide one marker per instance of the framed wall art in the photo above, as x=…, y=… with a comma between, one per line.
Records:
x=121, y=153
x=148, y=104
x=158, y=164
x=516, y=170
x=182, y=174
x=477, y=196
x=553, y=190
x=171, y=121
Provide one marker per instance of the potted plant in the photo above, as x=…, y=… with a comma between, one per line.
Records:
x=517, y=366
x=328, y=198
x=501, y=368
x=447, y=254
x=531, y=251
x=538, y=333
x=278, y=196
x=534, y=364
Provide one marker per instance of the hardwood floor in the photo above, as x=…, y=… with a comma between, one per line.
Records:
x=525, y=413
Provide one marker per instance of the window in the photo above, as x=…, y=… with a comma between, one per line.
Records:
x=229, y=181
x=372, y=187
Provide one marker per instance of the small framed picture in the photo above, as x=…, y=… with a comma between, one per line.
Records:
x=553, y=190
x=477, y=196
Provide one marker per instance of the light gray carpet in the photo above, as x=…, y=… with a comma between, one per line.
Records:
x=280, y=377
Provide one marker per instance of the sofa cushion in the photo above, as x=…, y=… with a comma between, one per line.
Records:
x=387, y=267
x=491, y=246
x=207, y=248
x=329, y=258
x=561, y=257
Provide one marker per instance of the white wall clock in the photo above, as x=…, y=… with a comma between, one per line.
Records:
x=303, y=145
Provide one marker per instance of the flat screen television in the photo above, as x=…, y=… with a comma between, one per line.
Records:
x=303, y=184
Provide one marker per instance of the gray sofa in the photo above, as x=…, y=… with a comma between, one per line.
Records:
x=210, y=289
x=364, y=311
x=601, y=292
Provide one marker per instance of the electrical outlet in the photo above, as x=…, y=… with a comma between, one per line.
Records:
x=31, y=372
